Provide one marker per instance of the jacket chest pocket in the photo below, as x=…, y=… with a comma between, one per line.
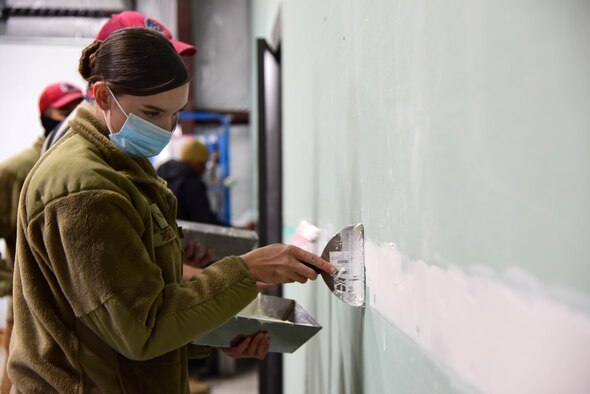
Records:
x=163, y=232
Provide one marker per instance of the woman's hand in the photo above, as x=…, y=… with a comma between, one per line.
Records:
x=193, y=256
x=262, y=287
x=189, y=271
x=280, y=263
x=250, y=346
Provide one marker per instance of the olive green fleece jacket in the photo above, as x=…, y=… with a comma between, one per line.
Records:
x=98, y=300
x=12, y=177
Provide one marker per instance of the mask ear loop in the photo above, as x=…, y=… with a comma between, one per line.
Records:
x=104, y=115
x=116, y=101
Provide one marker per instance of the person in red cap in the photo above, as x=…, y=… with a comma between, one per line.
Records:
x=57, y=101
x=55, y=104
x=116, y=22
x=137, y=19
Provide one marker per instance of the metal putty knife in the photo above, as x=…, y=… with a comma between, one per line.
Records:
x=346, y=251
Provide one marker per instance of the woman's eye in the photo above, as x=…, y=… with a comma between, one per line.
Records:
x=151, y=114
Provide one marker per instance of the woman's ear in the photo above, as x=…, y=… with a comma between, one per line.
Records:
x=101, y=95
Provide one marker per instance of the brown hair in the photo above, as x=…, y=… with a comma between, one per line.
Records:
x=134, y=61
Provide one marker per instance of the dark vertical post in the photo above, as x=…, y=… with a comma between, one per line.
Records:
x=270, y=185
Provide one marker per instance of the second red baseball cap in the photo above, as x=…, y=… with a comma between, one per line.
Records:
x=137, y=19
x=59, y=94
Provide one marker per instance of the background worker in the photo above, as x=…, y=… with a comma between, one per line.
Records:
x=55, y=103
x=184, y=177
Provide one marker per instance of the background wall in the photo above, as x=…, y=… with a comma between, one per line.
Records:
x=28, y=66
x=263, y=14
x=37, y=51
x=221, y=75
x=458, y=134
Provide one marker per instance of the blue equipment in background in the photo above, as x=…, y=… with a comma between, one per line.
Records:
x=222, y=140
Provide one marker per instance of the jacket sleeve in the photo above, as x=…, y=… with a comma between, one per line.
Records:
x=7, y=229
x=5, y=278
x=9, y=193
x=95, y=244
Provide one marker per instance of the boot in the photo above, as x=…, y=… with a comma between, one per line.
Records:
x=197, y=386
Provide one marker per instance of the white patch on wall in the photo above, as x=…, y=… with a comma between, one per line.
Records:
x=499, y=338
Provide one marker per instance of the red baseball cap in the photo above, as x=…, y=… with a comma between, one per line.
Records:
x=137, y=19
x=59, y=94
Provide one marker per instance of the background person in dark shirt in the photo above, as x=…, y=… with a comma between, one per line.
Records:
x=184, y=179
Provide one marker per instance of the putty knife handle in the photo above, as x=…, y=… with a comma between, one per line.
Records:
x=318, y=270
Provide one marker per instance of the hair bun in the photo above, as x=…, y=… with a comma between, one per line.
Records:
x=88, y=59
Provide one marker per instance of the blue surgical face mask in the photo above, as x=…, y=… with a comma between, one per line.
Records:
x=138, y=137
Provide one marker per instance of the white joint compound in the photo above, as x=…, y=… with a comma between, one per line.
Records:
x=497, y=337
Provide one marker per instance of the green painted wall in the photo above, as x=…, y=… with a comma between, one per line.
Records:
x=458, y=131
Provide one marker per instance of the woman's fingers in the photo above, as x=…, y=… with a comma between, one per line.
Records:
x=194, y=256
x=262, y=286
x=207, y=256
x=253, y=346
x=239, y=349
x=189, y=250
x=243, y=345
x=237, y=340
x=312, y=259
x=296, y=277
x=309, y=265
x=189, y=271
x=280, y=263
x=259, y=346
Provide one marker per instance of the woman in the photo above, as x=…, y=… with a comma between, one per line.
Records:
x=98, y=297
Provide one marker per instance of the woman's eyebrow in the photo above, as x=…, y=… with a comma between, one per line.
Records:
x=155, y=108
